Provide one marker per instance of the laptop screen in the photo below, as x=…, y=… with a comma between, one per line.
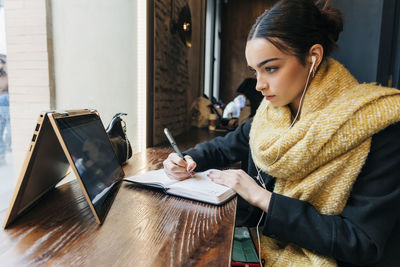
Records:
x=94, y=158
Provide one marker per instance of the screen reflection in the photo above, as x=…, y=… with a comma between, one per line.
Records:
x=94, y=158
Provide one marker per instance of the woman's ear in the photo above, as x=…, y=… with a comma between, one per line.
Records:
x=316, y=52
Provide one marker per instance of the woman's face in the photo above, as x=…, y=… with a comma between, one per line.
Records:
x=281, y=77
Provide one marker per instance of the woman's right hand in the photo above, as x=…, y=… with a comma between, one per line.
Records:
x=177, y=168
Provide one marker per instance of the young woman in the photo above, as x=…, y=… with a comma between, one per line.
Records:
x=325, y=148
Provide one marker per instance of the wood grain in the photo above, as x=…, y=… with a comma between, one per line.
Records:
x=237, y=18
x=143, y=227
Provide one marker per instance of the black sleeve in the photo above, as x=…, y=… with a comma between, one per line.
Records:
x=222, y=151
x=359, y=234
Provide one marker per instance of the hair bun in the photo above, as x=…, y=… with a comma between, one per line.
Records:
x=331, y=19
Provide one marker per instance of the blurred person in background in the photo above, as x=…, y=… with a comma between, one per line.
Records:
x=5, y=137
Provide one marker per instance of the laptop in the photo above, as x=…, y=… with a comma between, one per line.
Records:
x=63, y=141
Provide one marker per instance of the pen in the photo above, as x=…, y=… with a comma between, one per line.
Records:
x=174, y=146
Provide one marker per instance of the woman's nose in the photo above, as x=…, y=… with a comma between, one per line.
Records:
x=261, y=84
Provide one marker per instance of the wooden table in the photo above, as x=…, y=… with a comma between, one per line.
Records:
x=143, y=227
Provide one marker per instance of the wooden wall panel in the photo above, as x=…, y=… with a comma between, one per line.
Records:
x=237, y=18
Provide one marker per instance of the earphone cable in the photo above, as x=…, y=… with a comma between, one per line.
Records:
x=259, y=178
x=294, y=120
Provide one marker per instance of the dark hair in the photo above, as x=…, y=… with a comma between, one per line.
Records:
x=4, y=62
x=294, y=26
x=3, y=58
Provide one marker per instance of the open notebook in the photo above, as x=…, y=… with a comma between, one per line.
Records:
x=199, y=187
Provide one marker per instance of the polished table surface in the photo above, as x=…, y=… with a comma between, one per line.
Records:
x=144, y=227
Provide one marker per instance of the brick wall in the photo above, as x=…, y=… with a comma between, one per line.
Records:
x=171, y=80
x=28, y=69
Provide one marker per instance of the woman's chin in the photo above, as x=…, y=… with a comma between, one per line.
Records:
x=275, y=104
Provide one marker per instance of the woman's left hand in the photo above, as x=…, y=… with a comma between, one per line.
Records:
x=244, y=185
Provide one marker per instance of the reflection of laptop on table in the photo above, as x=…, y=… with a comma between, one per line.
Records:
x=75, y=139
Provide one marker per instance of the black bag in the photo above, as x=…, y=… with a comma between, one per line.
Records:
x=116, y=131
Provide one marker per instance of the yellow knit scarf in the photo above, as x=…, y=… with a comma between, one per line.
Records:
x=321, y=156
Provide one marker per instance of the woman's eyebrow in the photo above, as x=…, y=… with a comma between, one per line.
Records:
x=259, y=65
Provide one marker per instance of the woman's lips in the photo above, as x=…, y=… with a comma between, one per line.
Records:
x=269, y=97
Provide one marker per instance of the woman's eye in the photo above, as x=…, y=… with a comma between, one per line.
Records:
x=271, y=69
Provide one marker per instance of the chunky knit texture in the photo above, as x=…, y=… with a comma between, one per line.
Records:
x=321, y=156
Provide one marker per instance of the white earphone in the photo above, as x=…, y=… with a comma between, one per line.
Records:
x=259, y=178
x=313, y=59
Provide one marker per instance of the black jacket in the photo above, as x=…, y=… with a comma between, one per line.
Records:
x=366, y=233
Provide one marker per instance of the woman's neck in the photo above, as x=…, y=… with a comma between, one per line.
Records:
x=294, y=107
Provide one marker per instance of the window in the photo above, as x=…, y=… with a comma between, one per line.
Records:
x=6, y=170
